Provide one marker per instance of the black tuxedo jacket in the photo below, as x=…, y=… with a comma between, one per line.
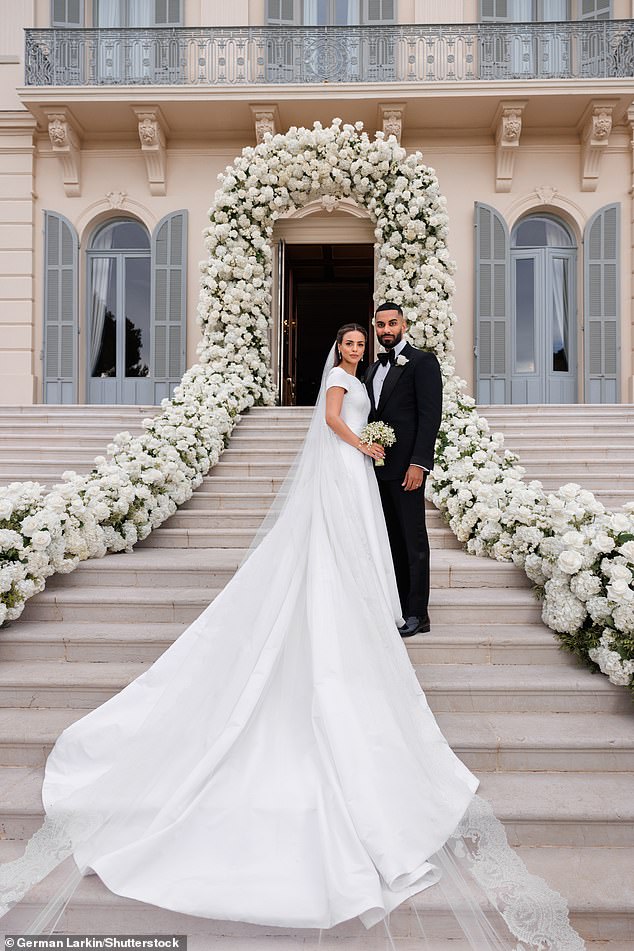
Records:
x=411, y=403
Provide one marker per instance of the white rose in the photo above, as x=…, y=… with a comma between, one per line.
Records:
x=620, y=590
x=40, y=539
x=627, y=550
x=570, y=561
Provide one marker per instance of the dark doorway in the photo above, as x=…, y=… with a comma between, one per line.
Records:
x=326, y=285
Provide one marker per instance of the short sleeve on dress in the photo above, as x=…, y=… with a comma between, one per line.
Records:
x=338, y=377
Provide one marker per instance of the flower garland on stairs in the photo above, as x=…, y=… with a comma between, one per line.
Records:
x=579, y=557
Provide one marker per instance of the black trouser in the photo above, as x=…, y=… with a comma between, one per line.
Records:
x=405, y=518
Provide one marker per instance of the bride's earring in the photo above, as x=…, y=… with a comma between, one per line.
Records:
x=339, y=352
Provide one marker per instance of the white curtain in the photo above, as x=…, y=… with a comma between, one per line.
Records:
x=560, y=306
x=522, y=57
x=554, y=58
x=124, y=59
x=102, y=268
x=310, y=12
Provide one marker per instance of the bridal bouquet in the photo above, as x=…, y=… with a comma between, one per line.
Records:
x=380, y=433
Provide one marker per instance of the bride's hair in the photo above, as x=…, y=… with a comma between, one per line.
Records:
x=346, y=329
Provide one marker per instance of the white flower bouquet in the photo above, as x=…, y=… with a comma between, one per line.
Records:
x=380, y=433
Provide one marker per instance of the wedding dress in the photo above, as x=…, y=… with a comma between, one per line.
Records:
x=279, y=763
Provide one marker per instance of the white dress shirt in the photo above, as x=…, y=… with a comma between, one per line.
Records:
x=379, y=380
x=382, y=372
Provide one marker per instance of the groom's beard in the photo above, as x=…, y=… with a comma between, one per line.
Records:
x=390, y=344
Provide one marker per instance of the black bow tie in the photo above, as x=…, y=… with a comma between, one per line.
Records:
x=388, y=357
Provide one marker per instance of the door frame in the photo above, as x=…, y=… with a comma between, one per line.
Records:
x=544, y=378
x=119, y=379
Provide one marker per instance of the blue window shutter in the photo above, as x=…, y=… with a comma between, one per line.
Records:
x=601, y=305
x=169, y=301
x=492, y=305
x=67, y=13
x=60, y=309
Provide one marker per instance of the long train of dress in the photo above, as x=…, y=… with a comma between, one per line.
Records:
x=279, y=763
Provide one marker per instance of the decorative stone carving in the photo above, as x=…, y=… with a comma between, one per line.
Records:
x=266, y=120
x=66, y=145
x=329, y=203
x=148, y=131
x=508, y=130
x=153, y=138
x=546, y=193
x=116, y=199
x=392, y=119
x=595, y=128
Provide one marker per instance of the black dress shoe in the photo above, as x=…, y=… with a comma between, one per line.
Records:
x=415, y=625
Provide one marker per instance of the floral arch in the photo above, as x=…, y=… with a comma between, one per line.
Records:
x=285, y=174
x=579, y=557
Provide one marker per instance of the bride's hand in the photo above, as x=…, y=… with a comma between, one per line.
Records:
x=374, y=450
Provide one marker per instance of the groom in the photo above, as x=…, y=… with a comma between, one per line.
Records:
x=405, y=389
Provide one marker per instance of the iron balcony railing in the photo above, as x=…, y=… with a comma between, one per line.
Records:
x=238, y=56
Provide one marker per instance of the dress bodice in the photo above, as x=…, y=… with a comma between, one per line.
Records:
x=356, y=403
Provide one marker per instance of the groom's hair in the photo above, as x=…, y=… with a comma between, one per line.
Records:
x=388, y=305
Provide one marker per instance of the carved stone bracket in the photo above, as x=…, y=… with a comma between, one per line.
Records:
x=266, y=119
x=153, y=138
x=594, y=129
x=66, y=144
x=392, y=119
x=508, y=129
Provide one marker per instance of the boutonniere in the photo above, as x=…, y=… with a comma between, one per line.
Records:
x=401, y=360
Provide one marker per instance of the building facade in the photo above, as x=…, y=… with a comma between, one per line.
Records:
x=116, y=117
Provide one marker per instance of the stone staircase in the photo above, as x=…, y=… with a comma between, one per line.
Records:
x=552, y=744
x=591, y=444
x=40, y=442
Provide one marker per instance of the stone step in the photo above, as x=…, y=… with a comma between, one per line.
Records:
x=450, y=688
x=205, y=499
x=81, y=603
x=460, y=688
x=553, y=409
x=562, y=473
x=148, y=567
x=201, y=517
x=106, y=640
x=594, y=880
x=504, y=743
x=537, y=809
x=224, y=538
x=526, y=440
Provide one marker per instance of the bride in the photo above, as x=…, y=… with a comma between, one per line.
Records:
x=279, y=763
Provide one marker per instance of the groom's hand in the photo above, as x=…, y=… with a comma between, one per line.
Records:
x=414, y=478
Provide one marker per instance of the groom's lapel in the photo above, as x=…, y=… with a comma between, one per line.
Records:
x=369, y=377
x=389, y=383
